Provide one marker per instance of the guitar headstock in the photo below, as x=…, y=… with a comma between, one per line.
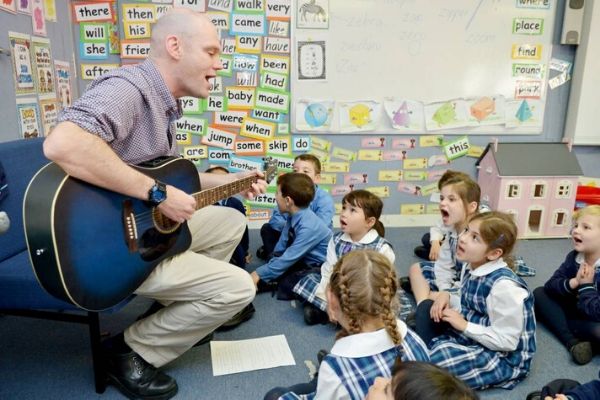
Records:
x=270, y=168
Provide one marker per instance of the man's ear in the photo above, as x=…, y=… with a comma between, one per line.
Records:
x=494, y=254
x=174, y=47
x=317, y=179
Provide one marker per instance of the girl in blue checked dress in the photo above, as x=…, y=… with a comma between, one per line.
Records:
x=488, y=333
x=459, y=199
x=361, y=229
x=361, y=298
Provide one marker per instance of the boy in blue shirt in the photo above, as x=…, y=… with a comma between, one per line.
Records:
x=321, y=205
x=302, y=246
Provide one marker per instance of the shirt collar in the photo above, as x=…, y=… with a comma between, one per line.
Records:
x=579, y=258
x=368, y=238
x=172, y=106
x=488, y=267
x=366, y=344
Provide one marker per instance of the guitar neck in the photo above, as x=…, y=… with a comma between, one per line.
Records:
x=212, y=195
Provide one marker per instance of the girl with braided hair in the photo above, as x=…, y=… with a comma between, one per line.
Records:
x=360, y=229
x=361, y=298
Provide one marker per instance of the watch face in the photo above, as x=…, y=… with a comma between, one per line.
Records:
x=158, y=194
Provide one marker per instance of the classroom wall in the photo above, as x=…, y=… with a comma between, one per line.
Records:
x=61, y=37
x=61, y=44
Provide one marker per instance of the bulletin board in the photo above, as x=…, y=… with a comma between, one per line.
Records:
x=381, y=66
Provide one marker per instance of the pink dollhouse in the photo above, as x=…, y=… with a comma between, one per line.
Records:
x=536, y=182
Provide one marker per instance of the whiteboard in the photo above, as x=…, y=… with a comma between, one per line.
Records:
x=427, y=51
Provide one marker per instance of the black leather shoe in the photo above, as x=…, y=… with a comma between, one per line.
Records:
x=261, y=253
x=242, y=316
x=137, y=379
x=263, y=287
x=404, y=283
x=313, y=315
x=422, y=252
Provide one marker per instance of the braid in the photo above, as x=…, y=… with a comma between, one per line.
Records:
x=388, y=295
x=364, y=282
x=348, y=308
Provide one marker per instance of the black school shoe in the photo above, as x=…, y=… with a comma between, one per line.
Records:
x=422, y=252
x=137, y=379
x=242, y=316
x=313, y=315
x=582, y=353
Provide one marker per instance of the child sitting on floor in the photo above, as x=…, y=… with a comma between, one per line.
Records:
x=361, y=297
x=302, y=246
x=569, y=303
x=360, y=229
x=321, y=205
x=488, y=332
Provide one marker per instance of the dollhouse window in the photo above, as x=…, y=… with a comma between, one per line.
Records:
x=560, y=217
x=539, y=190
x=513, y=190
x=563, y=190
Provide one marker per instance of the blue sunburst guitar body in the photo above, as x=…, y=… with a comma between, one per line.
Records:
x=93, y=247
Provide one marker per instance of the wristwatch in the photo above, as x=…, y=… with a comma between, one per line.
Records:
x=157, y=193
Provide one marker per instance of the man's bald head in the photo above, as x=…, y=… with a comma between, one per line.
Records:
x=181, y=22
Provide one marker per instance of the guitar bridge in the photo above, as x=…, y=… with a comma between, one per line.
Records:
x=130, y=227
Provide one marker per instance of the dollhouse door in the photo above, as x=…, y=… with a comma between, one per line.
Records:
x=535, y=217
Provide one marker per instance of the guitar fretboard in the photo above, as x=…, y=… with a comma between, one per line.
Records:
x=212, y=195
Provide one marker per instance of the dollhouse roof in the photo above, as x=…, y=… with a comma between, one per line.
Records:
x=534, y=159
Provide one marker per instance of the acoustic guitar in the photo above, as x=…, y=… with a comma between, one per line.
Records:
x=93, y=247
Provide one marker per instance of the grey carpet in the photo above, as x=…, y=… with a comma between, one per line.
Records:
x=51, y=360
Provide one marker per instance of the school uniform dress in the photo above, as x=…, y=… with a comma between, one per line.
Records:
x=356, y=360
x=571, y=314
x=304, y=239
x=444, y=273
x=322, y=205
x=312, y=287
x=499, y=342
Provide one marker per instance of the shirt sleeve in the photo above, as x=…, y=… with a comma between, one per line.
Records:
x=589, y=301
x=558, y=284
x=323, y=207
x=387, y=251
x=97, y=111
x=329, y=385
x=437, y=231
x=505, y=307
x=304, y=242
x=444, y=268
x=326, y=270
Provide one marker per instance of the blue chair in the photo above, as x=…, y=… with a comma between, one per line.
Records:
x=20, y=292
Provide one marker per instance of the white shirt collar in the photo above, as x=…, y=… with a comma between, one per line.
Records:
x=368, y=343
x=368, y=238
x=579, y=258
x=488, y=267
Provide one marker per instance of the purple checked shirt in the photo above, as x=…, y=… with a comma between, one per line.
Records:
x=131, y=109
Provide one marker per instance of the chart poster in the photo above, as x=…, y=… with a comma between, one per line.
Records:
x=21, y=56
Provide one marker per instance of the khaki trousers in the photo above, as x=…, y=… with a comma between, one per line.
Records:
x=199, y=289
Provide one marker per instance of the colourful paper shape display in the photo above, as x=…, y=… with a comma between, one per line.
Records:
x=524, y=112
x=445, y=114
x=482, y=108
x=360, y=115
x=402, y=116
x=316, y=115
